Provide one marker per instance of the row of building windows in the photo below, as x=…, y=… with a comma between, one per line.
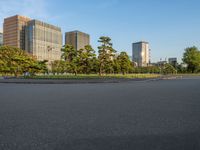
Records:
x=47, y=36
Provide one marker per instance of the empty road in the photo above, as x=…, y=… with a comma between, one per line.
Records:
x=139, y=115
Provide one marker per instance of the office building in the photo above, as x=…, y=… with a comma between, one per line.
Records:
x=1, y=38
x=14, y=31
x=141, y=54
x=173, y=61
x=161, y=63
x=77, y=39
x=43, y=41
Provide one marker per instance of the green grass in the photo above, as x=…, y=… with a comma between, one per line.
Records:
x=189, y=74
x=108, y=76
x=96, y=76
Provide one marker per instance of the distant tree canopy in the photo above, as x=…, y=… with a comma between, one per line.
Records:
x=191, y=57
x=169, y=69
x=85, y=61
x=15, y=61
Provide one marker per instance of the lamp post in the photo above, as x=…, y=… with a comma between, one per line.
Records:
x=49, y=50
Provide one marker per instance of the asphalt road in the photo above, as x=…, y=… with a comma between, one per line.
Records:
x=139, y=115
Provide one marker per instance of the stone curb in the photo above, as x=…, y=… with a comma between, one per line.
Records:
x=61, y=81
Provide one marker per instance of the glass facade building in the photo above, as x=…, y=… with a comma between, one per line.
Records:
x=43, y=40
x=77, y=39
x=14, y=31
x=141, y=54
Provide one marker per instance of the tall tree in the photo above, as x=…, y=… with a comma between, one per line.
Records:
x=116, y=66
x=95, y=65
x=192, y=58
x=85, y=57
x=106, y=54
x=70, y=57
x=124, y=62
x=69, y=53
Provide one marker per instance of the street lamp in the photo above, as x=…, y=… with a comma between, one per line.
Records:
x=49, y=49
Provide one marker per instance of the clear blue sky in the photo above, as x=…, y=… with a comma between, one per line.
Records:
x=168, y=25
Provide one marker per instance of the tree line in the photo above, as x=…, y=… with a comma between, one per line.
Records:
x=14, y=61
x=108, y=61
x=85, y=61
x=17, y=62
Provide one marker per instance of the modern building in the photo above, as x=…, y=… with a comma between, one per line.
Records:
x=173, y=61
x=1, y=38
x=43, y=40
x=161, y=63
x=77, y=39
x=141, y=53
x=14, y=31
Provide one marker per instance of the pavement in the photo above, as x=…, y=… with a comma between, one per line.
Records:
x=134, y=115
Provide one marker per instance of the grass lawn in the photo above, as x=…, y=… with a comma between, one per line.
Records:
x=190, y=74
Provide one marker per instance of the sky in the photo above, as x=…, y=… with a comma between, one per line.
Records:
x=168, y=25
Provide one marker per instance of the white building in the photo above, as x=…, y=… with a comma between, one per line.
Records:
x=141, y=53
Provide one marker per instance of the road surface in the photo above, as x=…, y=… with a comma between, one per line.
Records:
x=138, y=115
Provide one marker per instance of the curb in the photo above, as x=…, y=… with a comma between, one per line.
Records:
x=61, y=81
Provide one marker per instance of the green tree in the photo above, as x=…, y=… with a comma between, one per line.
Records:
x=70, y=57
x=85, y=59
x=55, y=67
x=192, y=58
x=42, y=66
x=59, y=66
x=36, y=67
x=169, y=69
x=95, y=65
x=69, y=53
x=106, y=54
x=116, y=66
x=181, y=68
x=73, y=66
x=16, y=61
x=124, y=62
